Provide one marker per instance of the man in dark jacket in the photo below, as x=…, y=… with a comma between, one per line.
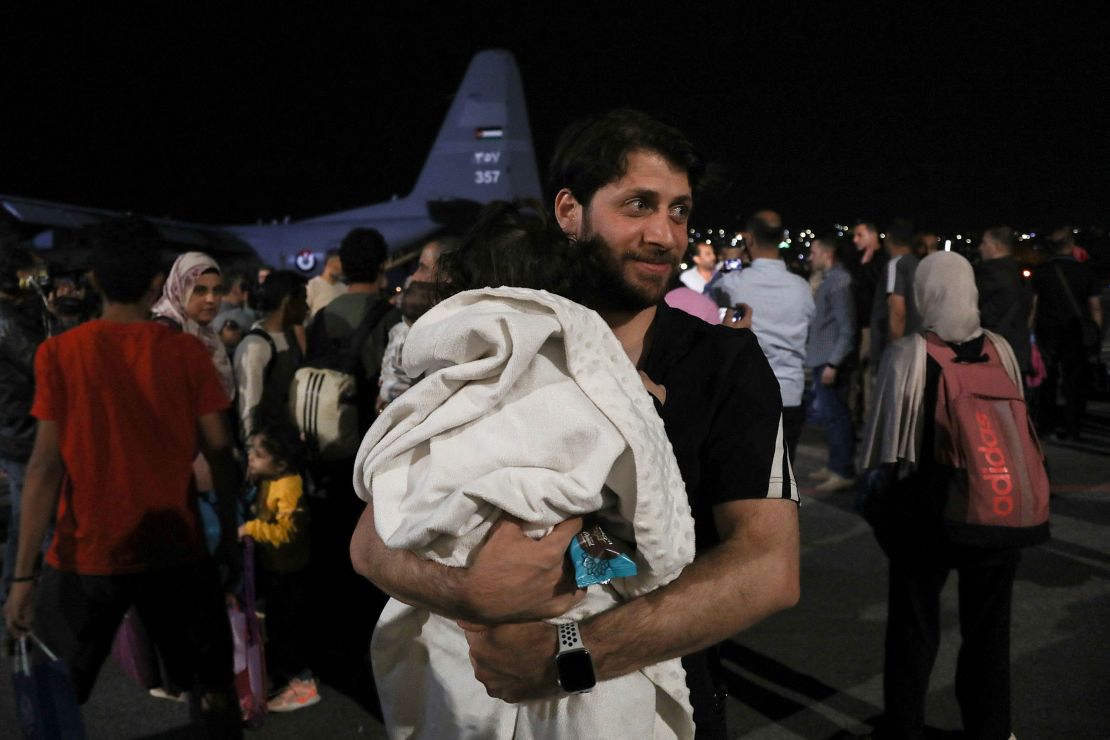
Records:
x=21, y=332
x=1005, y=299
x=1066, y=296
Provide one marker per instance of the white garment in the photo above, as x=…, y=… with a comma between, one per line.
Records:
x=693, y=280
x=530, y=406
x=319, y=293
x=252, y=356
x=393, y=381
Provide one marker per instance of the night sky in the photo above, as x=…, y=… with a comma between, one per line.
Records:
x=956, y=119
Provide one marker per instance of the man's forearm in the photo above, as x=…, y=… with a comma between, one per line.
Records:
x=746, y=578
x=40, y=497
x=897, y=321
x=405, y=576
x=516, y=579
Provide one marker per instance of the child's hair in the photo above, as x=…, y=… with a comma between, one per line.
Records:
x=417, y=300
x=281, y=440
x=518, y=245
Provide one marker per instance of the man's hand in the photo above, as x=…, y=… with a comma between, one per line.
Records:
x=514, y=578
x=828, y=375
x=19, y=609
x=515, y=662
x=738, y=317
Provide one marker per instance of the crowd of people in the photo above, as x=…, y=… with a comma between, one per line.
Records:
x=543, y=370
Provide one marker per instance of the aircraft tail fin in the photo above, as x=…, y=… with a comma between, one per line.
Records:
x=484, y=148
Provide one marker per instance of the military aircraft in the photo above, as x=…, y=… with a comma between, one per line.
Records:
x=483, y=152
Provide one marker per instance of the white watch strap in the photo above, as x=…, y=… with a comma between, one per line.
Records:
x=569, y=637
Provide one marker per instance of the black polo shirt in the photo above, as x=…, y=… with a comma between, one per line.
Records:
x=723, y=414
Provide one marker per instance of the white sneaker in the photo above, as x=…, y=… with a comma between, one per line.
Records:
x=160, y=693
x=821, y=474
x=835, y=483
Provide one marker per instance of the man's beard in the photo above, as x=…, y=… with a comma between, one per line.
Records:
x=609, y=290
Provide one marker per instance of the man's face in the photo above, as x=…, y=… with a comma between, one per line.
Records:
x=820, y=256
x=426, y=267
x=236, y=295
x=864, y=238
x=705, y=259
x=986, y=248
x=639, y=222
x=333, y=267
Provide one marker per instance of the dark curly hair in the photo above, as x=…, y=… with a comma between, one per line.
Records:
x=518, y=245
x=280, y=438
x=593, y=152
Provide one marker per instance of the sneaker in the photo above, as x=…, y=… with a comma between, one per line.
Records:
x=160, y=693
x=835, y=483
x=821, y=474
x=297, y=695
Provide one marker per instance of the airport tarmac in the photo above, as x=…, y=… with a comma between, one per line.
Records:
x=815, y=671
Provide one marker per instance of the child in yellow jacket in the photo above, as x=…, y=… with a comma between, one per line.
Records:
x=280, y=530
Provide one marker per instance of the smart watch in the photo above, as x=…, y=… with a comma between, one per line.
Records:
x=573, y=664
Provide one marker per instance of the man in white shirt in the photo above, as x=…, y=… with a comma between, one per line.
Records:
x=327, y=286
x=705, y=265
x=782, y=305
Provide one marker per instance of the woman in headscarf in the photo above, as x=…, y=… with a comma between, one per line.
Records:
x=190, y=301
x=906, y=513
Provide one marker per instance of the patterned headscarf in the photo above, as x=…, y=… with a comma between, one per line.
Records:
x=176, y=292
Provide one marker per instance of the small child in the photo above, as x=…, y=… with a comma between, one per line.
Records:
x=274, y=456
x=416, y=300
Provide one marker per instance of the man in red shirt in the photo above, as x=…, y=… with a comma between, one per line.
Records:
x=123, y=405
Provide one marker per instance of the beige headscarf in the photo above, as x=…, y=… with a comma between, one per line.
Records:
x=176, y=292
x=945, y=292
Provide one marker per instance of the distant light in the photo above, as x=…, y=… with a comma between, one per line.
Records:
x=683, y=266
x=784, y=245
x=959, y=236
x=947, y=245
x=1027, y=273
x=882, y=236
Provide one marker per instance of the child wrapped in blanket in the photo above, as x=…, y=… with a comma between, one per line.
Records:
x=527, y=406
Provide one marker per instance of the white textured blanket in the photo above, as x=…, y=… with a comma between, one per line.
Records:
x=531, y=407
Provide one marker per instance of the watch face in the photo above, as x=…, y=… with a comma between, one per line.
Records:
x=576, y=671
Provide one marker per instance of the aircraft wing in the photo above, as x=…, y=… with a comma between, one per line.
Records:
x=52, y=226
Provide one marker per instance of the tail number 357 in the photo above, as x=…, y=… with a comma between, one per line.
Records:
x=486, y=177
